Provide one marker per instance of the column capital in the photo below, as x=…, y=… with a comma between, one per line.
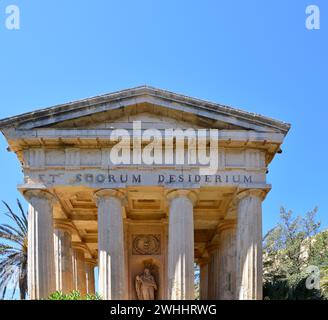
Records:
x=203, y=261
x=80, y=246
x=183, y=193
x=109, y=193
x=259, y=193
x=64, y=225
x=226, y=225
x=41, y=194
x=212, y=247
x=91, y=262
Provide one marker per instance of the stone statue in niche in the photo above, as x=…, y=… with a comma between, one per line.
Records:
x=145, y=285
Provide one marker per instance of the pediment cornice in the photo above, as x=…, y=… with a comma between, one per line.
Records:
x=49, y=117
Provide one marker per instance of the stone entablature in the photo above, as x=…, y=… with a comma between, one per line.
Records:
x=128, y=177
x=76, y=158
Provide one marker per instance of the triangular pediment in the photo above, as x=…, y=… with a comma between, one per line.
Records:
x=150, y=116
x=147, y=119
x=147, y=104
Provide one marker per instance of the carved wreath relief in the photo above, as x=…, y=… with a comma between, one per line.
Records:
x=146, y=244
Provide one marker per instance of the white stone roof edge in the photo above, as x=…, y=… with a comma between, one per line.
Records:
x=15, y=121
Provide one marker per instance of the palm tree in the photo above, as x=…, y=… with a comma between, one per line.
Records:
x=13, y=253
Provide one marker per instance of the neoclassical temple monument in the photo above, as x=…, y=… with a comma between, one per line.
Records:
x=143, y=225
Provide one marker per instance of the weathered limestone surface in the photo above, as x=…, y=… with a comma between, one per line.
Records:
x=41, y=267
x=203, y=266
x=112, y=284
x=78, y=260
x=213, y=272
x=63, y=257
x=181, y=245
x=227, y=262
x=174, y=103
x=249, y=246
x=90, y=265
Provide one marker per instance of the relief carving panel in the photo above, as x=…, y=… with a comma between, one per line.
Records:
x=146, y=244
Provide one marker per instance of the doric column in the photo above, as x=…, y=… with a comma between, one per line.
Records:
x=112, y=284
x=213, y=271
x=227, y=261
x=90, y=275
x=78, y=262
x=203, y=268
x=181, y=245
x=249, y=245
x=63, y=256
x=41, y=267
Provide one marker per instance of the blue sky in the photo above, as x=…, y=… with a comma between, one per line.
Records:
x=255, y=55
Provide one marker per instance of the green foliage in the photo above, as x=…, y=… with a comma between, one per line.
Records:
x=74, y=295
x=289, y=248
x=290, y=289
x=324, y=281
x=13, y=252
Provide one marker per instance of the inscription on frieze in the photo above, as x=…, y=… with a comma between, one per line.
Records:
x=146, y=244
x=123, y=178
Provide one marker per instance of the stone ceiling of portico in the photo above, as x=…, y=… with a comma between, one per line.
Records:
x=144, y=204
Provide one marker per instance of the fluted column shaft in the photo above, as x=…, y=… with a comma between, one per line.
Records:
x=90, y=276
x=41, y=274
x=249, y=246
x=110, y=245
x=181, y=245
x=79, y=278
x=63, y=257
x=203, y=268
x=213, y=272
x=227, y=262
